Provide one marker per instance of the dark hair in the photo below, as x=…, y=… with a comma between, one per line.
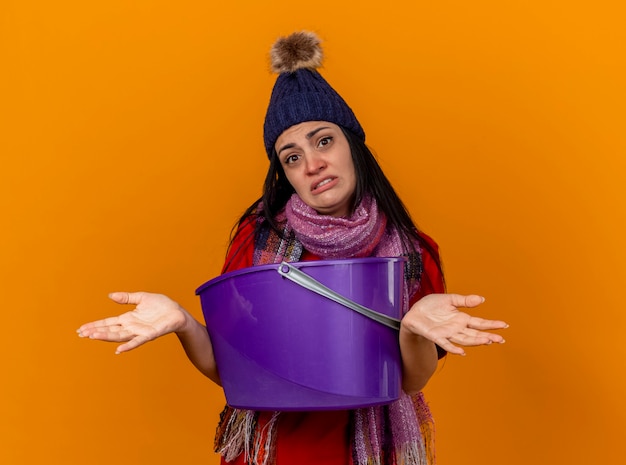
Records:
x=369, y=179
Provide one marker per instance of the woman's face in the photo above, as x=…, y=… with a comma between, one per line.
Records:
x=317, y=161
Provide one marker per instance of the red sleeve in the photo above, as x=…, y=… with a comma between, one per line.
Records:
x=432, y=281
x=241, y=250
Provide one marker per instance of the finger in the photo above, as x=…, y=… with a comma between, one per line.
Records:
x=476, y=338
x=126, y=298
x=110, y=321
x=481, y=323
x=89, y=328
x=132, y=344
x=112, y=336
x=446, y=345
x=465, y=301
x=470, y=341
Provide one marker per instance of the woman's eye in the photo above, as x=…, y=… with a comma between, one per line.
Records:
x=325, y=141
x=290, y=159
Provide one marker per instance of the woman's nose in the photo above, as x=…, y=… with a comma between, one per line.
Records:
x=314, y=163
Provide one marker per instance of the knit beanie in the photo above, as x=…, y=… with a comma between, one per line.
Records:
x=301, y=93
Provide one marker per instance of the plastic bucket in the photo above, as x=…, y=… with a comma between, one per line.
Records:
x=280, y=346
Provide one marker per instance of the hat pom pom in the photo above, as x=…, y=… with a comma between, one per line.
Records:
x=300, y=50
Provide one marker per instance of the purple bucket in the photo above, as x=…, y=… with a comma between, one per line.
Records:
x=280, y=346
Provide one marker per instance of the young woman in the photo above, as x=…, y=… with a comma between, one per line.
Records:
x=325, y=197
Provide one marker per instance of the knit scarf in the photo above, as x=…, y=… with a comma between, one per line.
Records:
x=400, y=433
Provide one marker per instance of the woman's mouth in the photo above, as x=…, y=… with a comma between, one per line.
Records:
x=321, y=184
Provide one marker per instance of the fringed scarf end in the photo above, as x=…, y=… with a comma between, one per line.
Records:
x=235, y=432
x=265, y=443
x=427, y=427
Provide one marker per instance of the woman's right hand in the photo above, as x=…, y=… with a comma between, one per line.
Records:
x=154, y=316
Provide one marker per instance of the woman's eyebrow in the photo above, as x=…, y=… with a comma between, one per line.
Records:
x=315, y=131
x=308, y=136
x=285, y=147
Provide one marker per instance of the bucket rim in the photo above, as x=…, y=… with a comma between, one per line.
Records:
x=312, y=263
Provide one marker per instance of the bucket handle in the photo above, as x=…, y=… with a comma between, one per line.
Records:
x=301, y=278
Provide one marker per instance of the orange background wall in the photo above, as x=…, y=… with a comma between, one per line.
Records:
x=130, y=141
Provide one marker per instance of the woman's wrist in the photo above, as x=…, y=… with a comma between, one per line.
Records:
x=410, y=336
x=188, y=323
x=410, y=323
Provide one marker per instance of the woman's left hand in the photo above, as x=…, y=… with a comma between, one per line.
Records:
x=436, y=317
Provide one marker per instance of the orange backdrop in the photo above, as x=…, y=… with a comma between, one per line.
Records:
x=130, y=141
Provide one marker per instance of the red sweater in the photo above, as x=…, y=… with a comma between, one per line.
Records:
x=313, y=438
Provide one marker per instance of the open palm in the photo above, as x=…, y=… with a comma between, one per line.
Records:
x=437, y=317
x=154, y=315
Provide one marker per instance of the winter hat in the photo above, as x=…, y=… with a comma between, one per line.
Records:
x=301, y=93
